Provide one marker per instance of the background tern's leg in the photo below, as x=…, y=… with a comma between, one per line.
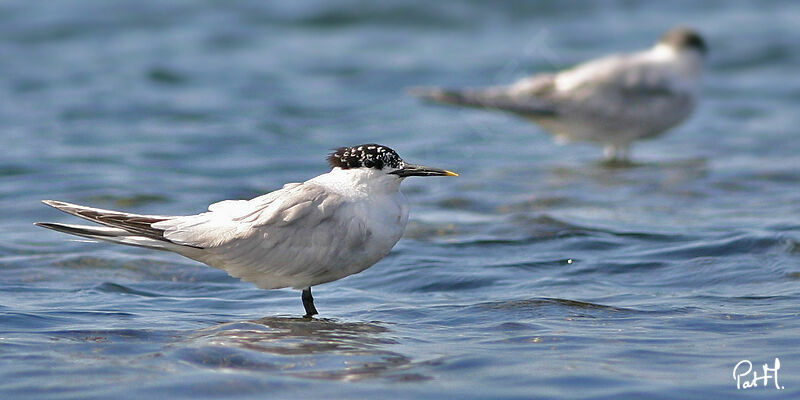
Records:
x=623, y=153
x=308, y=303
x=610, y=152
x=616, y=153
x=617, y=156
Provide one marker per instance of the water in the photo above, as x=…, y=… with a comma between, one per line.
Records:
x=538, y=273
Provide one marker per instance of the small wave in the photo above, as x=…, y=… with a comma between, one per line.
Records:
x=14, y=170
x=533, y=265
x=166, y=76
x=399, y=16
x=455, y=283
x=536, y=203
x=527, y=229
x=109, y=287
x=739, y=243
x=133, y=200
x=549, y=302
x=108, y=335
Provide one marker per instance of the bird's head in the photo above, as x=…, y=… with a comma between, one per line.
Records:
x=684, y=39
x=380, y=160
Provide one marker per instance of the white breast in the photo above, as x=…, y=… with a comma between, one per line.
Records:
x=380, y=209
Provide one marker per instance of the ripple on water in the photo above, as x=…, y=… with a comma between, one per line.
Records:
x=311, y=348
x=133, y=268
x=520, y=229
x=538, y=272
x=109, y=287
x=546, y=303
x=135, y=200
x=729, y=244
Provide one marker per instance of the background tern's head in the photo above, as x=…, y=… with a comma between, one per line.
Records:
x=681, y=39
x=380, y=158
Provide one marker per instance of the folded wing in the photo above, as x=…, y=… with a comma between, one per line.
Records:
x=292, y=237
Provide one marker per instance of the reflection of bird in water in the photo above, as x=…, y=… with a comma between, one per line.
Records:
x=329, y=227
x=611, y=101
x=309, y=348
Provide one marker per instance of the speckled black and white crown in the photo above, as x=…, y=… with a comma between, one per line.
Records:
x=369, y=155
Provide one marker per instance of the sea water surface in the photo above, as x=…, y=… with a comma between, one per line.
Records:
x=538, y=273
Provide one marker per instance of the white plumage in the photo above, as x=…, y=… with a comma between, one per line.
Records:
x=329, y=227
x=611, y=101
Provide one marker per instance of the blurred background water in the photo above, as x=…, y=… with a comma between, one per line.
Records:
x=536, y=274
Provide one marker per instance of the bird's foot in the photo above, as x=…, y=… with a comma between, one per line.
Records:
x=308, y=303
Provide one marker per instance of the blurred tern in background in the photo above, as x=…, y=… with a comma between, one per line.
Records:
x=611, y=101
x=326, y=228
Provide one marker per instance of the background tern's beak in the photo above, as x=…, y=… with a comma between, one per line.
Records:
x=421, y=170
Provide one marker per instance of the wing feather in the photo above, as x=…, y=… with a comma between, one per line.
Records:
x=276, y=240
x=625, y=91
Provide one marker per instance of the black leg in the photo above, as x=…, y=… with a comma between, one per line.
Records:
x=308, y=303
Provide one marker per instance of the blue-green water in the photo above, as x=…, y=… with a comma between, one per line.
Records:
x=537, y=273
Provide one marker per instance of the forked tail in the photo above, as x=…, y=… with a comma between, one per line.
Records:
x=119, y=227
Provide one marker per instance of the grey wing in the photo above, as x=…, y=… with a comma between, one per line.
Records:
x=294, y=239
x=242, y=208
x=625, y=91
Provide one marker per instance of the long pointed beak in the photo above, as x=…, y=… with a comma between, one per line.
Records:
x=421, y=170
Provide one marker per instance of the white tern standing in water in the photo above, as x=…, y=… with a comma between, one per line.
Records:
x=326, y=228
x=611, y=101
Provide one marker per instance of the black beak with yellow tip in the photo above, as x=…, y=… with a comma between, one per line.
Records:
x=421, y=170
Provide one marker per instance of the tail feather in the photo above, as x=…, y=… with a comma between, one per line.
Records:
x=132, y=223
x=120, y=227
x=487, y=98
x=83, y=230
x=108, y=234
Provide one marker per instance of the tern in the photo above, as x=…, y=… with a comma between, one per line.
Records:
x=611, y=101
x=305, y=234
